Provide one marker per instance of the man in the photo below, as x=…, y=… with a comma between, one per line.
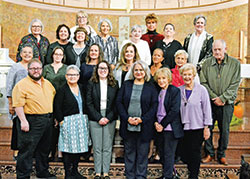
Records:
x=151, y=36
x=220, y=74
x=33, y=102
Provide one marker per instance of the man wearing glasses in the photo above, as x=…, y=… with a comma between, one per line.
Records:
x=33, y=101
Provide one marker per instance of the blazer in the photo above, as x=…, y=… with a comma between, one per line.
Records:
x=65, y=103
x=172, y=104
x=93, y=102
x=149, y=104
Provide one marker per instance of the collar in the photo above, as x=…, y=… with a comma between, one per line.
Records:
x=152, y=32
x=224, y=61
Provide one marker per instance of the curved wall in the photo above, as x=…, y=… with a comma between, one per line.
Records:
x=225, y=23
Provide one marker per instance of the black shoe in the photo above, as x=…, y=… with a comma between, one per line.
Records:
x=106, y=177
x=46, y=175
x=77, y=175
x=97, y=177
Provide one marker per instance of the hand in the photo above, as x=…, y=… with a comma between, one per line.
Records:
x=56, y=122
x=11, y=110
x=217, y=101
x=25, y=125
x=103, y=121
x=206, y=133
x=138, y=120
x=132, y=121
x=158, y=127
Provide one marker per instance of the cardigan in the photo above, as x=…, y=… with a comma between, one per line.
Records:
x=172, y=103
x=93, y=102
x=149, y=102
x=71, y=55
x=65, y=104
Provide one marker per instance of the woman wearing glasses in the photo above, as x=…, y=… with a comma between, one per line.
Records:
x=70, y=112
x=101, y=97
x=35, y=39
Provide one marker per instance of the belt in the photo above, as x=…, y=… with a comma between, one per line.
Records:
x=48, y=115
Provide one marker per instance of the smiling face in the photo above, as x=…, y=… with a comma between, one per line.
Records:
x=35, y=71
x=58, y=56
x=188, y=77
x=94, y=52
x=180, y=60
x=139, y=73
x=82, y=20
x=26, y=54
x=200, y=25
x=63, y=33
x=129, y=54
x=105, y=28
x=80, y=36
x=169, y=31
x=136, y=33
x=151, y=25
x=103, y=71
x=72, y=76
x=157, y=56
x=36, y=28
x=163, y=81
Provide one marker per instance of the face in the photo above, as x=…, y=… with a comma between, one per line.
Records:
x=129, y=53
x=136, y=33
x=157, y=56
x=103, y=71
x=82, y=20
x=169, y=31
x=80, y=36
x=188, y=77
x=36, y=28
x=139, y=72
x=63, y=33
x=27, y=54
x=180, y=60
x=162, y=81
x=105, y=28
x=72, y=76
x=200, y=25
x=94, y=52
x=35, y=71
x=58, y=56
x=219, y=50
x=151, y=25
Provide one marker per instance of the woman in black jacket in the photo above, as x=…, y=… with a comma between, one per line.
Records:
x=101, y=97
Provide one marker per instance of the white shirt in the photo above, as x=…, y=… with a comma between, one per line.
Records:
x=103, y=89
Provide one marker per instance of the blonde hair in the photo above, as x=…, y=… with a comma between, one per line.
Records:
x=164, y=72
x=186, y=67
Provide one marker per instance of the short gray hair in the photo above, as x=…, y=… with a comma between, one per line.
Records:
x=33, y=21
x=135, y=27
x=186, y=67
x=105, y=20
x=198, y=17
x=181, y=52
x=145, y=68
x=73, y=67
x=222, y=42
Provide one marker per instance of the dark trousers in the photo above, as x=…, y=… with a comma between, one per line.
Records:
x=223, y=115
x=191, y=151
x=70, y=162
x=14, y=134
x=35, y=143
x=136, y=157
x=167, y=150
x=54, y=140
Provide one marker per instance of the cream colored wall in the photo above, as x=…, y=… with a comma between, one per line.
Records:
x=225, y=24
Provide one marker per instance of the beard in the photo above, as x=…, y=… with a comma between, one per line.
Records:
x=34, y=77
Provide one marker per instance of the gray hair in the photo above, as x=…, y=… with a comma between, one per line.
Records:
x=73, y=67
x=188, y=66
x=105, y=20
x=145, y=68
x=135, y=27
x=32, y=22
x=198, y=17
x=222, y=42
x=181, y=52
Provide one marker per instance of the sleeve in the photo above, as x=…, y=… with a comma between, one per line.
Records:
x=58, y=105
x=20, y=46
x=116, y=52
x=209, y=47
x=206, y=107
x=148, y=54
x=48, y=59
x=120, y=103
x=174, y=110
x=113, y=112
x=10, y=82
x=18, y=96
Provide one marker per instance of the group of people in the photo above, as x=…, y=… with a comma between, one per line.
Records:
x=71, y=93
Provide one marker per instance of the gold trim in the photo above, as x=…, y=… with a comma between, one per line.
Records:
x=132, y=10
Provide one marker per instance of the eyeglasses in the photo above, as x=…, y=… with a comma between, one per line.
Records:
x=72, y=75
x=103, y=68
x=56, y=54
x=35, y=69
x=36, y=26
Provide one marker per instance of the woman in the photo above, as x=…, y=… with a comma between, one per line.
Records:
x=168, y=123
x=70, y=112
x=198, y=44
x=35, y=39
x=157, y=60
x=94, y=56
x=17, y=72
x=101, y=96
x=129, y=55
x=169, y=45
x=137, y=105
x=196, y=117
x=108, y=44
x=63, y=35
x=141, y=45
x=76, y=54
x=82, y=21
x=55, y=73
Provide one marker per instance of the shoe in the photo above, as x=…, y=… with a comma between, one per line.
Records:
x=106, y=177
x=207, y=159
x=97, y=177
x=223, y=161
x=46, y=176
